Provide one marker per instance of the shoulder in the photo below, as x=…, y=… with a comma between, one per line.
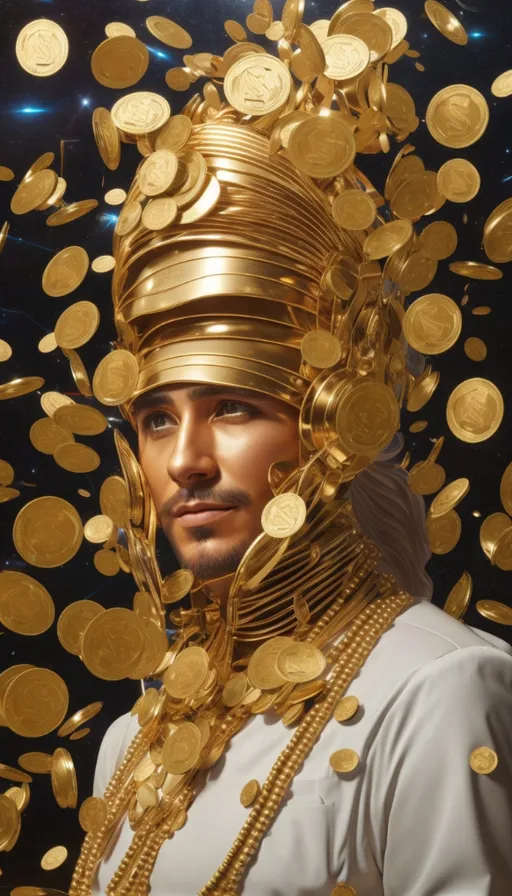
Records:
x=112, y=750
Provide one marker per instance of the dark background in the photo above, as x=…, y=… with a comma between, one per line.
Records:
x=35, y=115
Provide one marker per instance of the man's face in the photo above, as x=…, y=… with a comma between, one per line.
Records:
x=213, y=445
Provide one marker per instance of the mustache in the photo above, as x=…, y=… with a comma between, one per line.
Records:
x=226, y=496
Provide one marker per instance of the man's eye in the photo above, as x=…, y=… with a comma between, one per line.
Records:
x=158, y=420
x=148, y=421
x=245, y=409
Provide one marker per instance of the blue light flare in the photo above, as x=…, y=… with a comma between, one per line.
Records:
x=109, y=219
x=476, y=34
x=160, y=53
x=30, y=110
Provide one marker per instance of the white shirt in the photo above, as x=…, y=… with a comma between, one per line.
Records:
x=413, y=819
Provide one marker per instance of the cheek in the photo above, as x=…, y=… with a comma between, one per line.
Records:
x=154, y=467
x=247, y=459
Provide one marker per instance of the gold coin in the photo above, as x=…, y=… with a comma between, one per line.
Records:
x=491, y=531
x=113, y=643
x=46, y=436
x=115, y=196
x=158, y=172
x=159, y=213
x=458, y=180
x=188, y=673
x=35, y=702
x=235, y=689
x=300, y=662
x=128, y=218
x=501, y=555
x=103, y=263
x=25, y=605
x=344, y=889
x=13, y=774
x=77, y=324
x=114, y=501
x=506, y=489
x=114, y=29
x=54, y=858
x=320, y=349
x=457, y=116
x=6, y=473
x=234, y=30
x=98, y=529
x=47, y=532
x=106, y=136
x=344, y=760
x=10, y=822
x=6, y=174
x=426, y=478
x=106, y=562
x=257, y=84
x=63, y=778
x=177, y=78
x=416, y=196
x=446, y=22
x=120, y=62
x=483, y=760
x=439, y=240
x=42, y=162
x=82, y=715
x=5, y=350
x=284, y=515
x=20, y=386
x=177, y=585
x=387, y=239
x=65, y=272
x=181, y=748
x=346, y=56
x=423, y=391
x=47, y=344
x=140, y=113
x=8, y=494
x=51, y=401
x=76, y=458
x=249, y=792
x=373, y=30
x=56, y=196
x=33, y=192
x=459, y=597
x=450, y=496
x=307, y=691
x=73, y=622
x=115, y=378
x=261, y=670
x=502, y=85
x=497, y=233
x=346, y=708
x=495, y=611
x=71, y=212
x=174, y=134
x=354, y=210
x=398, y=24
x=80, y=419
x=322, y=147
x=355, y=431
x=42, y=47
x=169, y=32
x=474, y=410
x=475, y=348
x=79, y=372
x=36, y=762
x=93, y=813
x=444, y=532
x=432, y=324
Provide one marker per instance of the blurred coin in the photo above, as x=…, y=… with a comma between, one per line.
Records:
x=45, y=693
x=76, y=458
x=33, y=192
x=54, y=858
x=120, y=62
x=98, y=529
x=103, y=263
x=115, y=196
x=71, y=212
x=444, y=532
x=475, y=348
x=169, y=32
x=502, y=85
x=106, y=562
x=65, y=272
x=77, y=324
x=115, y=377
x=47, y=532
x=446, y=22
x=459, y=597
x=5, y=350
x=439, y=240
x=26, y=607
x=73, y=621
x=47, y=344
x=81, y=419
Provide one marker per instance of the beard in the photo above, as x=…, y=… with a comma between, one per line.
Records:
x=207, y=564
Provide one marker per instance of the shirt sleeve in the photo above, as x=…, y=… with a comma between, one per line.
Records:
x=448, y=829
x=110, y=754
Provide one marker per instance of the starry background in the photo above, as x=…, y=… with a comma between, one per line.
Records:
x=54, y=114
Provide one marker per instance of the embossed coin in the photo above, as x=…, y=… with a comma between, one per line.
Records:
x=432, y=324
x=262, y=671
x=450, y=496
x=483, y=760
x=36, y=762
x=444, y=532
x=169, y=32
x=76, y=325
x=159, y=213
x=458, y=180
x=457, y=116
x=73, y=622
x=31, y=193
x=249, y=792
x=42, y=47
x=120, y=61
x=283, y=515
x=498, y=233
x=344, y=760
x=46, y=435
x=354, y=210
x=176, y=585
x=502, y=85
x=35, y=702
x=93, y=813
x=77, y=719
x=446, y=22
x=129, y=217
x=439, y=240
x=47, y=532
x=113, y=643
x=474, y=410
x=71, y=212
x=157, y=173
x=181, y=748
x=346, y=708
x=76, y=458
x=174, y=134
x=140, y=113
x=346, y=56
x=25, y=605
x=103, y=263
x=257, y=84
x=54, y=858
x=322, y=147
x=65, y=272
x=300, y=662
x=320, y=349
x=98, y=529
x=80, y=419
x=188, y=673
x=387, y=239
x=106, y=136
x=115, y=377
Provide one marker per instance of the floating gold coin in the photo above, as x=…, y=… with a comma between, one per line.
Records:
x=6, y=174
x=169, y=32
x=283, y=515
x=77, y=324
x=446, y=22
x=35, y=702
x=249, y=792
x=502, y=85
x=474, y=410
x=439, y=240
x=47, y=532
x=262, y=670
x=322, y=147
x=113, y=643
x=300, y=662
x=396, y=21
x=475, y=348
x=458, y=180
x=426, y=478
x=159, y=213
x=235, y=30
x=506, y=489
x=103, y=263
x=78, y=735
x=158, y=172
x=10, y=822
x=346, y=708
x=78, y=371
x=115, y=196
x=475, y=270
x=344, y=889
x=387, y=239
x=76, y=458
x=36, y=762
x=42, y=162
x=93, y=813
x=13, y=774
x=114, y=500
x=344, y=760
x=47, y=344
x=46, y=436
x=320, y=349
x=257, y=84
x=181, y=749
x=114, y=29
x=346, y=56
x=6, y=473
x=54, y=858
x=354, y=210
x=483, y=760
x=457, y=116
x=25, y=605
x=98, y=529
x=63, y=778
x=128, y=219
x=120, y=62
x=71, y=212
x=175, y=133
x=491, y=531
x=444, y=532
x=423, y=391
x=106, y=136
x=42, y=47
x=497, y=233
x=140, y=113
x=73, y=622
x=495, y=611
x=432, y=324
x=188, y=673
x=5, y=350
x=56, y=196
x=501, y=555
x=178, y=78
x=106, y=562
x=82, y=715
x=33, y=192
x=65, y=272
x=80, y=419
x=374, y=31
x=7, y=494
x=20, y=386
x=450, y=496
x=459, y=597
x=176, y=585
x=115, y=377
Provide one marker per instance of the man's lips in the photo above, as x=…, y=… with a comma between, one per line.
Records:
x=188, y=520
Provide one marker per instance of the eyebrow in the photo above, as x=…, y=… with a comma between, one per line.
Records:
x=160, y=397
